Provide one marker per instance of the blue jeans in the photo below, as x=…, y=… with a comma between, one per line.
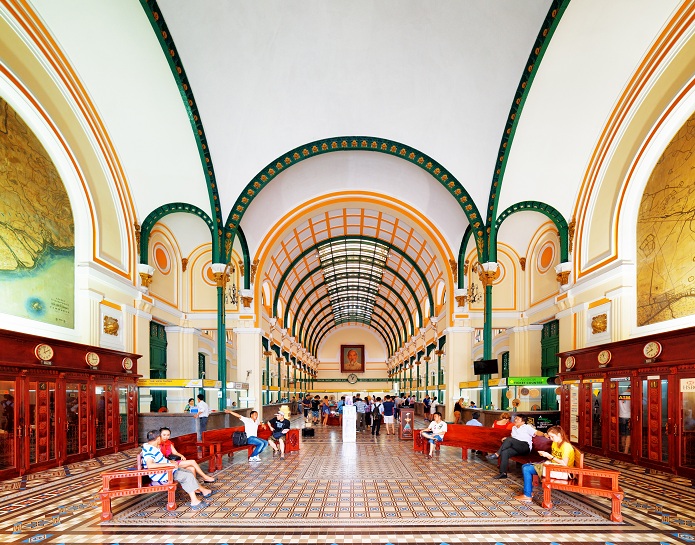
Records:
x=528, y=470
x=257, y=442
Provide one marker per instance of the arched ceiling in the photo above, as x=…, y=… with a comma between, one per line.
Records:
x=339, y=266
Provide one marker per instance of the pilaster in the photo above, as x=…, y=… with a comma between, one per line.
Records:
x=457, y=363
x=249, y=348
x=525, y=350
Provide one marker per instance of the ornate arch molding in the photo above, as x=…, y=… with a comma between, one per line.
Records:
x=154, y=15
x=246, y=256
x=461, y=265
x=542, y=208
x=173, y=208
x=396, y=249
x=550, y=24
x=354, y=143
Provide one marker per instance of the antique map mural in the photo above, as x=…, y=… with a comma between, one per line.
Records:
x=37, y=239
x=666, y=234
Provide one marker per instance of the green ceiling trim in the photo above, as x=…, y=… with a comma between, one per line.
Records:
x=542, y=208
x=551, y=22
x=326, y=318
x=164, y=210
x=396, y=249
x=378, y=331
x=302, y=336
x=402, y=333
x=461, y=263
x=154, y=14
x=356, y=143
x=246, y=257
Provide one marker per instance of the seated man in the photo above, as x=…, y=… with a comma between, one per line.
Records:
x=170, y=453
x=251, y=428
x=435, y=431
x=152, y=458
x=279, y=427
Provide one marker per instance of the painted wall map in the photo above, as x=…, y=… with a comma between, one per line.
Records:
x=666, y=234
x=37, y=236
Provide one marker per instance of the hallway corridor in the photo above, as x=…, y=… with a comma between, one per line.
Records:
x=377, y=490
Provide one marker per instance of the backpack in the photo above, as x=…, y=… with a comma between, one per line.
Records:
x=239, y=438
x=376, y=414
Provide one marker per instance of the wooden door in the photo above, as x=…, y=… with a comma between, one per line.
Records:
x=655, y=437
x=76, y=422
x=40, y=420
x=10, y=430
x=104, y=418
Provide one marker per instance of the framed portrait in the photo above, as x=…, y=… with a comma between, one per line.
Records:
x=352, y=358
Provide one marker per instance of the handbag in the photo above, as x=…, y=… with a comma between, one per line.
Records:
x=239, y=438
x=174, y=457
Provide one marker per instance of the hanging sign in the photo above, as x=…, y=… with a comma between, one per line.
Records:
x=527, y=381
x=688, y=385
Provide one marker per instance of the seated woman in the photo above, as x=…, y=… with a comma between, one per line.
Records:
x=167, y=449
x=562, y=454
x=504, y=422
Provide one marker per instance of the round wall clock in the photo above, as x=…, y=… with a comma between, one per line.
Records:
x=92, y=359
x=604, y=356
x=43, y=352
x=569, y=362
x=352, y=378
x=127, y=364
x=652, y=349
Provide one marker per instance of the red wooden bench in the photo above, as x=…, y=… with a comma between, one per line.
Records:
x=192, y=449
x=291, y=438
x=584, y=480
x=220, y=443
x=131, y=482
x=466, y=438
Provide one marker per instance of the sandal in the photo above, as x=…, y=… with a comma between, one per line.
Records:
x=212, y=481
x=199, y=506
x=208, y=495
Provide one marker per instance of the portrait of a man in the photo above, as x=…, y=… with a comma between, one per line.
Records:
x=352, y=358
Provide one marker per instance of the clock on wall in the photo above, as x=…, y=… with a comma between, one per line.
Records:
x=652, y=349
x=92, y=359
x=569, y=362
x=352, y=378
x=43, y=352
x=127, y=364
x=604, y=356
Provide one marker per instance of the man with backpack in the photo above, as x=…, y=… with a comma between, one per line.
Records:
x=377, y=416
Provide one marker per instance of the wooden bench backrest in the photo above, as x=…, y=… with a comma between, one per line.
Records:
x=223, y=434
x=187, y=438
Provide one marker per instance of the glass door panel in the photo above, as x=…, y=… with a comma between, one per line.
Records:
x=76, y=418
x=686, y=439
x=596, y=414
x=654, y=414
x=8, y=418
x=105, y=420
x=42, y=422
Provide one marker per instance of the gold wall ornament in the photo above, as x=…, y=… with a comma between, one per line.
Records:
x=522, y=263
x=241, y=267
x=184, y=264
x=570, y=233
x=563, y=277
x=454, y=269
x=246, y=301
x=111, y=325
x=439, y=352
x=599, y=323
x=221, y=279
x=145, y=279
x=254, y=268
x=487, y=278
x=136, y=225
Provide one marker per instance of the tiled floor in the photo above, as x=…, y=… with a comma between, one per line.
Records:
x=375, y=491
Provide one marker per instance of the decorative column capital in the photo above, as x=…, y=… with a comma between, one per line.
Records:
x=145, y=272
x=247, y=298
x=219, y=271
x=563, y=271
x=490, y=272
x=461, y=297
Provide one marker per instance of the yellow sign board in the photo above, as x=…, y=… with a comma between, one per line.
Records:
x=178, y=383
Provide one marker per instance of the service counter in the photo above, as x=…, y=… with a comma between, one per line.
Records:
x=542, y=420
x=420, y=409
x=185, y=423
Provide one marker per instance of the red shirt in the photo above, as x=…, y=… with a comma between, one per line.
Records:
x=165, y=447
x=495, y=424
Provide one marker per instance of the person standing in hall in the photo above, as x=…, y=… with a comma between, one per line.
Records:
x=426, y=407
x=377, y=416
x=251, y=428
x=359, y=408
x=306, y=405
x=202, y=414
x=388, y=412
x=458, y=411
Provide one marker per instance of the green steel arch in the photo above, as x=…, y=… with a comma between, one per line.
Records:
x=360, y=237
x=246, y=256
x=550, y=24
x=379, y=325
x=174, y=208
x=323, y=334
x=461, y=265
x=355, y=143
x=154, y=15
x=534, y=206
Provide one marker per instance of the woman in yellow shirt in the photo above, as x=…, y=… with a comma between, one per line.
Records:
x=561, y=454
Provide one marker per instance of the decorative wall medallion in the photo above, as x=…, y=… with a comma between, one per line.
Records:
x=604, y=357
x=111, y=326
x=569, y=362
x=652, y=349
x=599, y=323
x=524, y=391
x=92, y=359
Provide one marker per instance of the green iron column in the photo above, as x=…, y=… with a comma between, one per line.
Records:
x=490, y=272
x=221, y=278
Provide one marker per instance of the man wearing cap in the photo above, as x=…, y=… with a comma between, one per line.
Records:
x=279, y=427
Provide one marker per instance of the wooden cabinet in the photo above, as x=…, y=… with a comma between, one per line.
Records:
x=56, y=408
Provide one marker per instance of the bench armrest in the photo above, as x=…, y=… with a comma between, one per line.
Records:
x=589, y=472
x=108, y=476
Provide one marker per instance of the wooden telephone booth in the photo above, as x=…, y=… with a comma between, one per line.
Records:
x=62, y=402
x=634, y=400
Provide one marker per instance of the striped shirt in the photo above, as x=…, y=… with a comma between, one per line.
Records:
x=154, y=455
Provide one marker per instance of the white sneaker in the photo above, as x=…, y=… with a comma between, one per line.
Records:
x=255, y=458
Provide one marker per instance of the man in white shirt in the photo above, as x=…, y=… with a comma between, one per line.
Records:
x=520, y=443
x=251, y=428
x=360, y=408
x=435, y=431
x=203, y=413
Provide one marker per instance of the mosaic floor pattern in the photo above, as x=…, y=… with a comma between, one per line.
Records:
x=376, y=491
